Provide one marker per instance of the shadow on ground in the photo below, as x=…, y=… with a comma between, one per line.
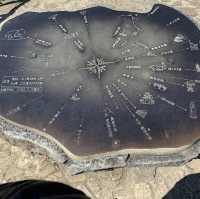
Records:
x=186, y=188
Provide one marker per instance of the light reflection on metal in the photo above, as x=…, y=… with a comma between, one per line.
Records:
x=103, y=80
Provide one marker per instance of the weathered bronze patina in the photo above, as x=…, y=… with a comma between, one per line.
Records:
x=99, y=80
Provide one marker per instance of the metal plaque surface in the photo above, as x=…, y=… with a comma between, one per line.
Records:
x=99, y=80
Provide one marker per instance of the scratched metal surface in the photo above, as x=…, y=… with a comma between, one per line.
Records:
x=99, y=80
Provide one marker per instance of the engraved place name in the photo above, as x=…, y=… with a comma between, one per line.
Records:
x=84, y=15
x=110, y=121
x=80, y=46
x=193, y=114
x=81, y=130
x=133, y=76
x=174, y=21
x=53, y=19
x=164, y=45
x=132, y=110
x=147, y=99
x=162, y=87
x=22, y=84
x=124, y=30
x=57, y=114
x=158, y=67
x=112, y=97
x=155, y=10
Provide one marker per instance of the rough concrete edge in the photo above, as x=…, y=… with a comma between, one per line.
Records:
x=74, y=5
x=135, y=160
x=99, y=162
x=13, y=132
x=34, y=6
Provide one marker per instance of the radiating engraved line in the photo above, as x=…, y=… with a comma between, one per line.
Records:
x=155, y=10
x=151, y=54
x=21, y=34
x=171, y=103
x=57, y=114
x=84, y=15
x=6, y=56
x=183, y=79
x=193, y=112
x=59, y=72
x=53, y=18
x=40, y=42
x=76, y=41
x=135, y=67
x=140, y=44
x=170, y=69
x=123, y=95
x=173, y=21
x=79, y=45
x=155, y=78
x=133, y=21
x=85, y=20
x=110, y=121
x=118, y=33
x=168, y=44
x=41, y=58
x=23, y=106
x=80, y=130
x=112, y=97
x=74, y=97
x=180, y=69
x=158, y=79
x=132, y=77
x=126, y=100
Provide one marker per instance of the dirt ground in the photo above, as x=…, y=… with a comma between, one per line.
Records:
x=18, y=163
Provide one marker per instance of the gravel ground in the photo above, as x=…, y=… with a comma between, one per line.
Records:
x=19, y=163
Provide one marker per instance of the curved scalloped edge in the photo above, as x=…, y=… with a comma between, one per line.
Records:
x=76, y=165
x=123, y=158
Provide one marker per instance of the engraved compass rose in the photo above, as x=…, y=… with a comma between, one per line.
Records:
x=102, y=81
x=97, y=66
